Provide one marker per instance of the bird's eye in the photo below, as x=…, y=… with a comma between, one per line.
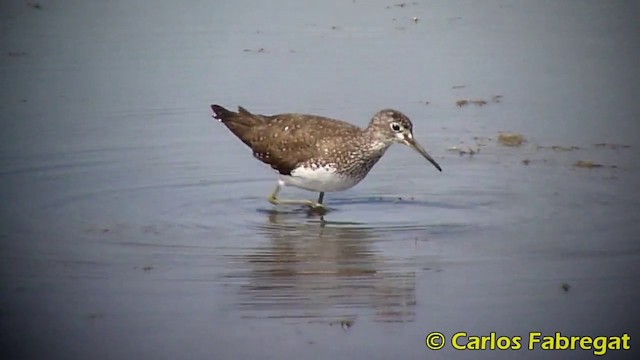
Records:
x=396, y=127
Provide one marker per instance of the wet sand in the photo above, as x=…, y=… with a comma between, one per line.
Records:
x=133, y=225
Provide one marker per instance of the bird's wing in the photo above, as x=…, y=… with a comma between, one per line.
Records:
x=285, y=142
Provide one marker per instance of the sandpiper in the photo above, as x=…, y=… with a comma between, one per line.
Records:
x=316, y=153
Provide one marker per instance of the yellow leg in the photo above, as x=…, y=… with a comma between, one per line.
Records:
x=273, y=198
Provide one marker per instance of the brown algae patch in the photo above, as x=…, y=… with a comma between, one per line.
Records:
x=511, y=139
x=559, y=148
x=464, y=102
x=463, y=151
x=477, y=102
x=528, y=161
x=587, y=164
x=517, y=140
x=611, y=146
x=461, y=103
x=258, y=51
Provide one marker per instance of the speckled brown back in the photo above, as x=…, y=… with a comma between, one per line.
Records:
x=286, y=141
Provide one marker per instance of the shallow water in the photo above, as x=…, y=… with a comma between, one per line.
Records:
x=134, y=225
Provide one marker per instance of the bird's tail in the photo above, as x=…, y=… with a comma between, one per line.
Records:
x=241, y=118
x=240, y=123
x=221, y=113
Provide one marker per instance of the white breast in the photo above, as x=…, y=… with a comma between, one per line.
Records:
x=321, y=179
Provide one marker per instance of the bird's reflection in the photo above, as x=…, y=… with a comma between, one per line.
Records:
x=318, y=269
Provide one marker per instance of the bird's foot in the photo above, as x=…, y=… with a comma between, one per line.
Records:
x=317, y=208
x=315, y=205
x=273, y=200
x=308, y=203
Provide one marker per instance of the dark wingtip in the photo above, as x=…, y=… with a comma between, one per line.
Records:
x=219, y=112
x=217, y=109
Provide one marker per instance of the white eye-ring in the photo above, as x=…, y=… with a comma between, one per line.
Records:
x=396, y=127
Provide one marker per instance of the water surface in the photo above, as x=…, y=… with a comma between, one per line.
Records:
x=135, y=226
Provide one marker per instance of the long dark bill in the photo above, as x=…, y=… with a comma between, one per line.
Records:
x=413, y=144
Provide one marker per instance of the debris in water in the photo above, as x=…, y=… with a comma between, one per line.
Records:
x=468, y=151
x=261, y=50
x=511, y=139
x=477, y=102
x=560, y=148
x=346, y=324
x=461, y=103
x=587, y=164
x=612, y=146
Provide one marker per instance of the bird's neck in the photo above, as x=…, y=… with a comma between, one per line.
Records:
x=365, y=155
x=375, y=143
